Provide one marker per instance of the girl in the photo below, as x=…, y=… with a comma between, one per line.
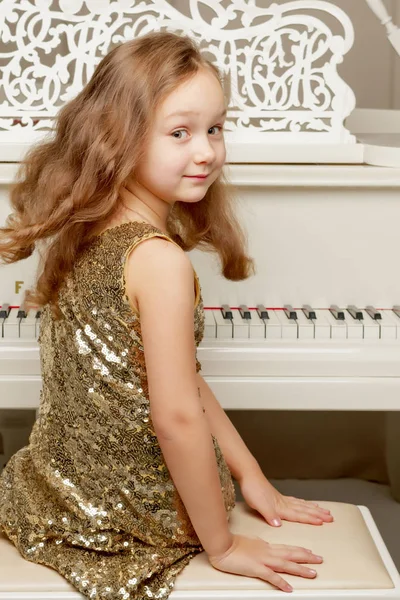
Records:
x=128, y=474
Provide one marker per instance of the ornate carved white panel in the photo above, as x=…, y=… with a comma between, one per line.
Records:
x=281, y=62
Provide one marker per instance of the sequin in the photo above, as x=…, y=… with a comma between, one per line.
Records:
x=91, y=496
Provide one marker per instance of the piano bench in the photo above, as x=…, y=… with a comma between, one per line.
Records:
x=356, y=564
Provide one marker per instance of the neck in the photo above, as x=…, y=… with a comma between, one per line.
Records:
x=138, y=203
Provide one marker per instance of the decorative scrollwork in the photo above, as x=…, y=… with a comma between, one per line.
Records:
x=281, y=61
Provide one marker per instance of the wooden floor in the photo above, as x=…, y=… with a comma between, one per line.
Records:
x=384, y=509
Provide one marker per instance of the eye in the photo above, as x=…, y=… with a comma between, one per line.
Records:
x=178, y=131
x=219, y=126
x=184, y=130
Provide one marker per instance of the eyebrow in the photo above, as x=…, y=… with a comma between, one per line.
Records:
x=179, y=113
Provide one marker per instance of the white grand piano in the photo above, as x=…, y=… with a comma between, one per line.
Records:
x=318, y=326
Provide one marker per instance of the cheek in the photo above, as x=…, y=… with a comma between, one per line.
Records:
x=167, y=158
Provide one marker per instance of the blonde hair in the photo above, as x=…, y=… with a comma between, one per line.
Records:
x=68, y=187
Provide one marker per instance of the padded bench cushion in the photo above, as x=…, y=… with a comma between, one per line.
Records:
x=355, y=558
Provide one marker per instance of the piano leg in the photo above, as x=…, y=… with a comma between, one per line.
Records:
x=392, y=419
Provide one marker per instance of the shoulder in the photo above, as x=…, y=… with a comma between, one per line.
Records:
x=158, y=267
x=157, y=253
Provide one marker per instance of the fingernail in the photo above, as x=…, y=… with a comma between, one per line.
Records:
x=289, y=588
x=276, y=523
x=312, y=571
x=318, y=557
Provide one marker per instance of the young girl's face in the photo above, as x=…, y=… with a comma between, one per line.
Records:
x=187, y=143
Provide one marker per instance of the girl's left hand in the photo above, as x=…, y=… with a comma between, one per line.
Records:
x=259, y=494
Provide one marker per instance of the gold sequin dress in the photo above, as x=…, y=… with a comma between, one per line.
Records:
x=91, y=495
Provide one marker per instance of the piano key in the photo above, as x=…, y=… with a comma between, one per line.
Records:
x=226, y=311
x=262, y=312
x=370, y=326
x=322, y=327
x=355, y=330
x=373, y=313
x=338, y=325
x=244, y=311
x=395, y=314
x=210, y=326
x=4, y=310
x=27, y=328
x=257, y=326
x=273, y=327
x=355, y=312
x=305, y=327
x=38, y=314
x=289, y=326
x=240, y=325
x=11, y=325
x=387, y=326
x=290, y=312
x=309, y=312
x=336, y=312
x=224, y=326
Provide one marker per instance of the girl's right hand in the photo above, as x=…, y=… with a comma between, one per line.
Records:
x=254, y=557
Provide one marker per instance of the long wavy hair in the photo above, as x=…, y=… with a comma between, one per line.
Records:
x=67, y=187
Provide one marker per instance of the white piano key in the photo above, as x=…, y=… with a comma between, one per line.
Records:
x=338, y=328
x=322, y=327
x=305, y=327
x=37, y=329
x=396, y=321
x=355, y=329
x=11, y=325
x=257, y=326
x=27, y=328
x=224, y=326
x=273, y=327
x=240, y=325
x=387, y=326
x=289, y=326
x=210, y=326
x=370, y=326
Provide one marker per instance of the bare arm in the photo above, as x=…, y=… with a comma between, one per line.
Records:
x=163, y=288
x=237, y=456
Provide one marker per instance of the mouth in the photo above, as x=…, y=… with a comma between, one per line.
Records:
x=197, y=176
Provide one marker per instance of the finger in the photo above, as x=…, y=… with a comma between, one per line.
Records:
x=295, y=554
x=267, y=574
x=305, y=509
x=287, y=547
x=301, y=516
x=310, y=504
x=286, y=566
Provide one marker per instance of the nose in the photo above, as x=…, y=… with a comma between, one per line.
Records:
x=204, y=151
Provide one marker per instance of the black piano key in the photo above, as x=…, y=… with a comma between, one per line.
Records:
x=22, y=312
x=226, y=312
x=309, y=312
x=337, y=313
x=4, y=311
x=244, y=311
x=396, y=310
x=355, y=312
x=290, y=312
x=262, y=312
x=373, y=313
